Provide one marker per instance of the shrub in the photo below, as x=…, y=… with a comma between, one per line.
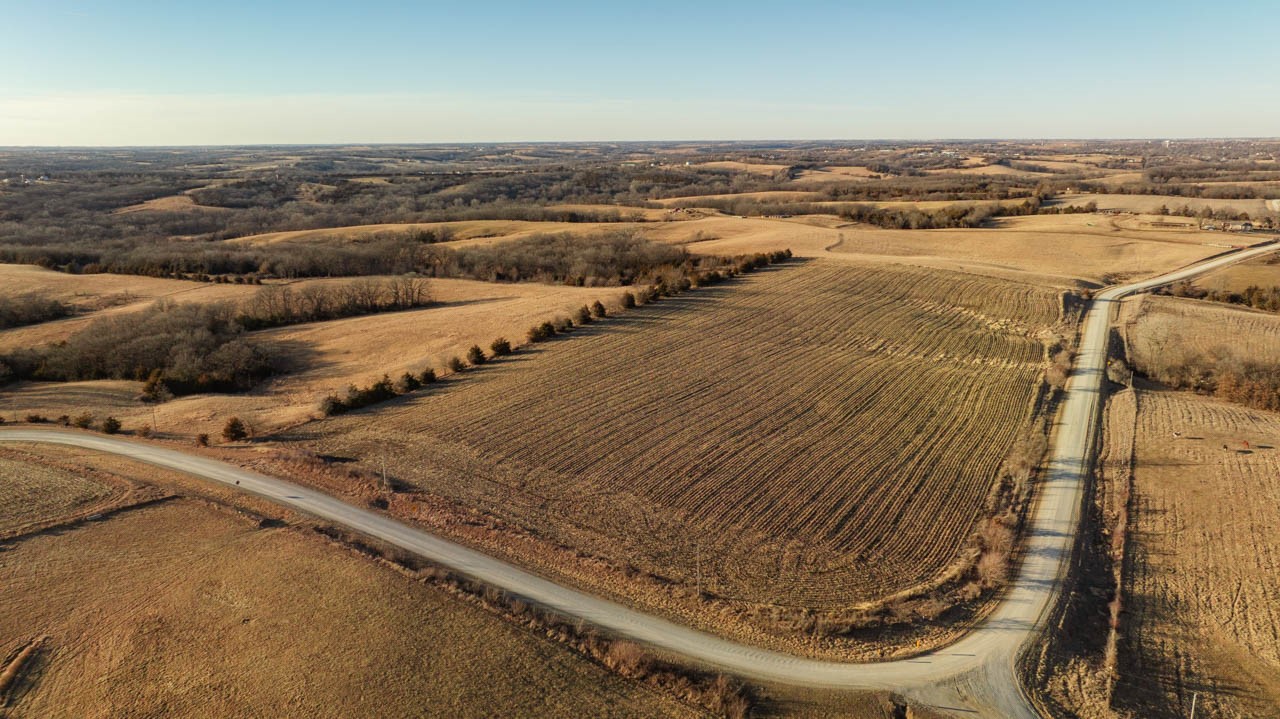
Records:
x=541, y=332
x=582, y=316
x=628, y=300
x=234, y=430
x=83, y=421
x=202, y=440
x=456, y=364
x=111, y=425
x=407, y=383
x=475, y=355
x=564, y=324
x=36, y=419
x=597, y=309
x=64, y=420
x=379, y=391
x=500, y=347
x=144, y=431
x=427, y=376
x=331, y=405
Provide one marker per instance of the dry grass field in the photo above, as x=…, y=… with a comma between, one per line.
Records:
x=170, y=203
x=1152, y=203
x=35, y=493
x=1203, y=604
x=329, y=356
x=833, y=174
x=1262, y=272
x=99, y=295
x=819, y=435
x=756, y=168
x=182, y=609
x=1162, y=330
x=99, y=290
x=1052, y=250
x=463, y=230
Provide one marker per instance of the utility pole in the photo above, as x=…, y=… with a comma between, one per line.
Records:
x=155, y=428
x=385, y=486
x=1195, y=696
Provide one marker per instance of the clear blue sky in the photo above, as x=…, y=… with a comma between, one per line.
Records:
x=130, y=72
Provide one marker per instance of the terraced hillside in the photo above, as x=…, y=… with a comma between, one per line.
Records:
x=819, y=435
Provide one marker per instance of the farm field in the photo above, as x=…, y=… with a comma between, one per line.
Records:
x=100, y=295
x=888, y=395
x=35, y=493
x=1237, y=278
x=1163, y=331
x=184, y=609
x=329, y=356
x=1152, y=203
x=97, y=291
x=461, y=231
x=1054, y=250
x=1203, y=609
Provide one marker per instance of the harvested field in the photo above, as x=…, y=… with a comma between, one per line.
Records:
x=1054, y=250
x=183, y=610
x=1152, y=203
x=761, y=196
x=819, y=435
x=34, y=493
x=834, y=174
x=756, y=168
x=1203, y=606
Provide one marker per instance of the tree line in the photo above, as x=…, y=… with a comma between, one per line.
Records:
x=30, y=309
x=191, y=348
x=1259, y=298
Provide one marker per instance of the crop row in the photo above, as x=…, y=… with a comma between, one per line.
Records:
x=817, y=435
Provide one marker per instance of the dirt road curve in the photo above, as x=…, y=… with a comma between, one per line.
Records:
x=973, y=677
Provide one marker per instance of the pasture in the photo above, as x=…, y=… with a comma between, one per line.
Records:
x=188, y=610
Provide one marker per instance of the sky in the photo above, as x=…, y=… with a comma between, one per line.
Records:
x=284, y=72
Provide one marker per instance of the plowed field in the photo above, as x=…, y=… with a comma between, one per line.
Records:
x=818, y=435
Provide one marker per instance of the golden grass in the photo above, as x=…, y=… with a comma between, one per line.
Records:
x=1166, y=329
x=171, y=203
x=833, y=174
x=329, y=357
x=187, y=611
x=995, y=170
x=888, y=396
x=1057, y=250
x=1202, y=614
x=756, y=168
x=762, y=196
x=1238, y=277
x=91, y=291
x=132, y=298
x=1152, y=203
x=464, y=230
x=34, y=493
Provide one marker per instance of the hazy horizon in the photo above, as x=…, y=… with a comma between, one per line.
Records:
x=141, y=74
